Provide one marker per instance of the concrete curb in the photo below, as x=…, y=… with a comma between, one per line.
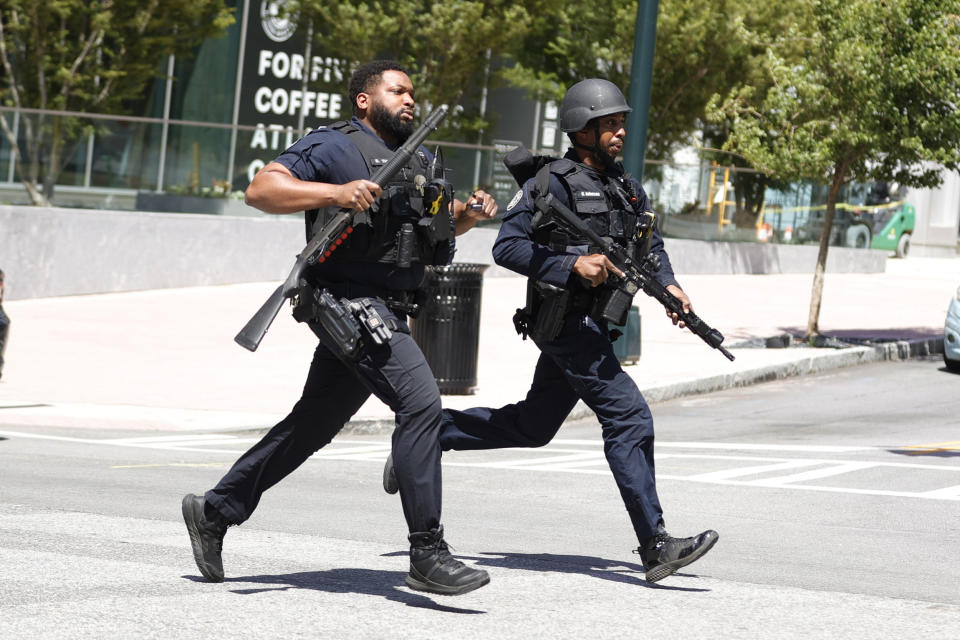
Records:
x=820, y=360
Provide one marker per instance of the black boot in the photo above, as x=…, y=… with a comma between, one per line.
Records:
x=663, y=555
x=433, y=569
x=206, y=528
x=390, y=477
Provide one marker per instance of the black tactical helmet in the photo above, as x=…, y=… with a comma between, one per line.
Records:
x=589, y=99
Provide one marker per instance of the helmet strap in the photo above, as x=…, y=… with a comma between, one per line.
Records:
x=595, y=151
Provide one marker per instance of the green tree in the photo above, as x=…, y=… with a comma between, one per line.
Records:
x=85, y=55
x=753, y=29
x=445, y=45
x=701, y=49
x=872, y=98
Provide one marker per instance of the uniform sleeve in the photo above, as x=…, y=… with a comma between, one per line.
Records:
x=324, y=156
x=516, y=250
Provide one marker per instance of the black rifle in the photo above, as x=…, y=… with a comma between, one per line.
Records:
x=331, y=236
x=636, y=276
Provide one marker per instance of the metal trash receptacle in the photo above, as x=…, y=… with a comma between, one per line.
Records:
x=448, y=326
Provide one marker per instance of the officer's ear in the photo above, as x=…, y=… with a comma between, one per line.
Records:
x=363, y=102
x=584, y=136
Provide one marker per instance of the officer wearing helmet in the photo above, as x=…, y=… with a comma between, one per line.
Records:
x=566, y=287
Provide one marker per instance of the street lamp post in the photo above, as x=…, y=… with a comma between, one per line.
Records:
x=641, y=79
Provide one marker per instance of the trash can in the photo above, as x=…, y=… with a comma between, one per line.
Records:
x=627, y=346
x=448, y=326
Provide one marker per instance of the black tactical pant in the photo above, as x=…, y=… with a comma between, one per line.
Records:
x=578, y=364
x=397, y=374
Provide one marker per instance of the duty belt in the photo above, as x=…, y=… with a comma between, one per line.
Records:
x=404, y=301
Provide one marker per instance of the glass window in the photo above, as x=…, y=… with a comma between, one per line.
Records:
x=196, y=159
x=204, y=82
x=126, y=155
x=76, y=136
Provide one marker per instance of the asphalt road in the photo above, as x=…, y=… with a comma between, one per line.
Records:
x=837, y=499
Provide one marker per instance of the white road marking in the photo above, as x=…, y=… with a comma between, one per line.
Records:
x=816, y=474
x=569, y=456
x=797, y=448
x=184, y=437
x=726, y=474
x=949, y=493
x=543, y=463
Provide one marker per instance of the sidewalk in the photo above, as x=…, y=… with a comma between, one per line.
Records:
x=165, y=359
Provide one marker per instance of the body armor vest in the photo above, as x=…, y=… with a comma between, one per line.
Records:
x=388, y=232
x=605, y=206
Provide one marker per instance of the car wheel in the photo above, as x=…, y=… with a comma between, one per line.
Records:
x=952, y=365
x=903, y=246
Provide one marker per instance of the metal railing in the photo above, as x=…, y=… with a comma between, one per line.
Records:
x=124, y=161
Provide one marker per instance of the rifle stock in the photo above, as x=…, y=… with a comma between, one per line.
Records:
x=256, y=327
x=638, y=275
x=330, y=236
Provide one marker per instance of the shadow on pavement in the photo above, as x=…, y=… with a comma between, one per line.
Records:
x=362, y=581
x=876, y=335
x=614, y=570
x=930, y=452
x=922, y=340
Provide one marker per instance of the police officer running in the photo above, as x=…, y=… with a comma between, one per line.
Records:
x=369, y=275
x=567, y=313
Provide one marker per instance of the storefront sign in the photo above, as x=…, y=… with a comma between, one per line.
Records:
x=274, y=96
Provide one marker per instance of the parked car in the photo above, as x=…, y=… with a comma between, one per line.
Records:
x=951, y=335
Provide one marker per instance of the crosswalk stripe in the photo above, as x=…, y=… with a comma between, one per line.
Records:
x=569, y=456
x=727, y=474
x=548, y=461
x=948, y=493
x=816, y=474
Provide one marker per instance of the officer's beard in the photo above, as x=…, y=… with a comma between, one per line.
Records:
x=603, y=158
x=391, y=124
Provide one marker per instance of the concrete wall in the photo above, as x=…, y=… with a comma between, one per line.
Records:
x=57, y=252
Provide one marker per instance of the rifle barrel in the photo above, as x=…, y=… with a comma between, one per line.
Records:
x=643, y=279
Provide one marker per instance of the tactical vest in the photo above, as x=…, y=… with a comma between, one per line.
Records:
x=393, y=218
x=605, y=206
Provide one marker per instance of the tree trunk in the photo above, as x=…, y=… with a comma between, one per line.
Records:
x=750, y=190
x=52, y=169
x=816, y=294
x=36, y=195
x=29, y=184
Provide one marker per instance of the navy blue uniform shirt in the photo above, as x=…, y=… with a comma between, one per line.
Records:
x=325, y=155
x=516, y=250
